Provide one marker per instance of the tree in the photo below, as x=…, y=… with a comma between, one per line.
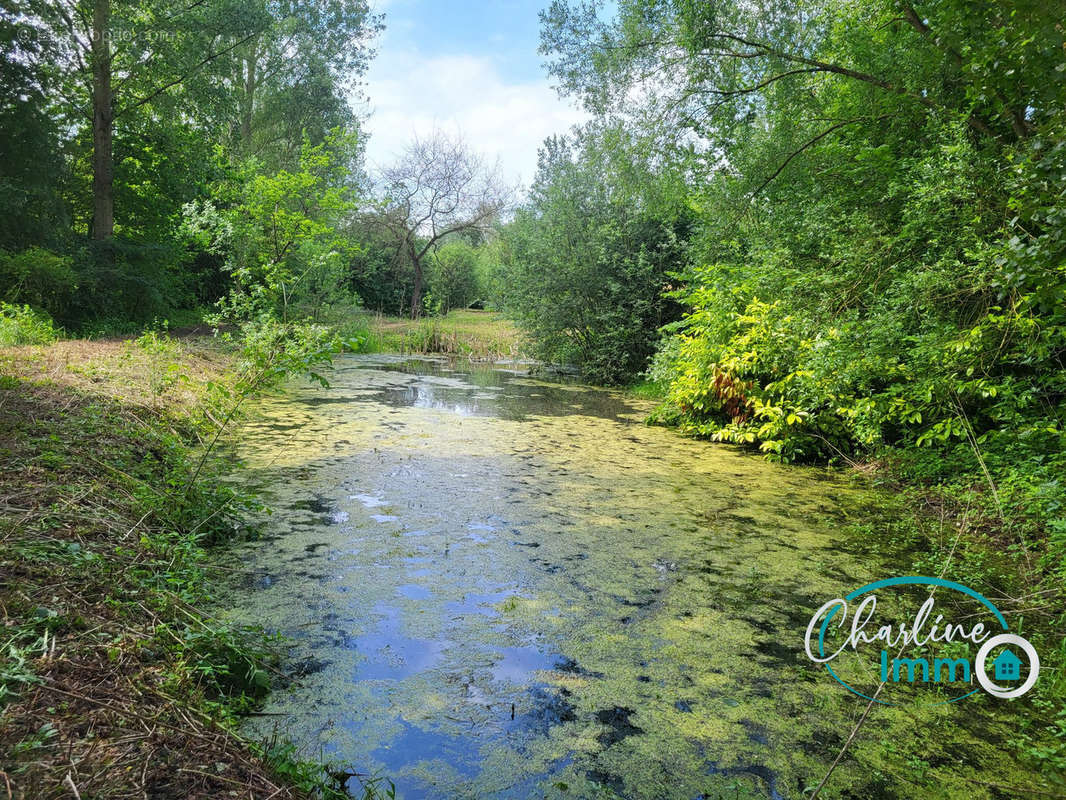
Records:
x=277, y=69
x=295, y=77
x=453, y=275
x=117, y=57
x=588, y=256
x=879, y=240
x=437, y=189
x=31, y=156
x=377, y=272
x=116, y=114
x=280, y=238
x=703, y=66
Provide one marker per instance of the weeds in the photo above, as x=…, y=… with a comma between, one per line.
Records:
x=103, y=541
x=22, y=325
x=477, y=335
x=15, y=671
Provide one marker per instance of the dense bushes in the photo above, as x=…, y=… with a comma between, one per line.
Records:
x=378, y=273
x=23, y=325
x=39, y=278
x=872, y=255
x=915, y=304
x=586, y=262
x=112, y=283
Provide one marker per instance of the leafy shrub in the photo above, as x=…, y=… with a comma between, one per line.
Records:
x=279, y=241
x=23, y=325
x=39, y=278
x=382, y=277
x=126, y=281
x=584, y=265
x=837, y=330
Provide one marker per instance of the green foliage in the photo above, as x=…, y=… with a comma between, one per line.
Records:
x=194, y=97
x=882, y=252
x=39, y=278
x=227, y=663
x=272, y=350
x=126, y=280
x=32, y=209
x=298, y=74
x=493, y=256
x=16, y=673
x=379, y=274
x=585, y=262
x=879, y=264
x=279, y=238
x=309, y=777
x=452, y=276
x=159, y=166
x=23, y=325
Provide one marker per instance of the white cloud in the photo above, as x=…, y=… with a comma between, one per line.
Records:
x=411, y=94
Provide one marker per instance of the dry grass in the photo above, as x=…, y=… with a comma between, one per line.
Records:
x=125, y=371
x=100, y=692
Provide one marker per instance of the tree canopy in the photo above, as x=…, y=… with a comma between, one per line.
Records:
x=438, y=188
x=121, y=113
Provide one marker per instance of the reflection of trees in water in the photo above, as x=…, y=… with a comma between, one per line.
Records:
x=428, y=396
x=516, y=402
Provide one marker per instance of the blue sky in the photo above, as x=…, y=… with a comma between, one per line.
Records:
x=468, y=67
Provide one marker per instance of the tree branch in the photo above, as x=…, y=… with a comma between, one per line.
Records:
x=808, y=144
x=181, y=79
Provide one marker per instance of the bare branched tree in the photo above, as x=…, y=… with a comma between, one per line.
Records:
x=437, y=188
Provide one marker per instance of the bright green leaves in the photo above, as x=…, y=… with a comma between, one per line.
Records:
x=279, y=238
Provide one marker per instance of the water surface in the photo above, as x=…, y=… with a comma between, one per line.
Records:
x=507, y=587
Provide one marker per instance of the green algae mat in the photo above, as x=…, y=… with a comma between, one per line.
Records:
x=500, y=586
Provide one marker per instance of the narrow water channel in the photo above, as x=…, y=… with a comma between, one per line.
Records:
x=506, y=587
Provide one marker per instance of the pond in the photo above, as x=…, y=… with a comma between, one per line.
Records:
x=501, y=586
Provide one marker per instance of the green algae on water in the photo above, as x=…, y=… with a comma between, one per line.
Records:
x=512, y=588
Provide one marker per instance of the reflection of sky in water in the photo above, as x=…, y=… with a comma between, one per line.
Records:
x=483, y=391
x=429, y=396
x=510, y=587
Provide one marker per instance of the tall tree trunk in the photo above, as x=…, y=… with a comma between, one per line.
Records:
x=248, y=100
x=416, y=293
x=103, y=120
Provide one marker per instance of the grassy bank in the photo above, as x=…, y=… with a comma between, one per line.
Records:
x=957, y=531
x=467, y=333
x=112, y=682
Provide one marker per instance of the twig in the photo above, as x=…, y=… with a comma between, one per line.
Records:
x=69, y=783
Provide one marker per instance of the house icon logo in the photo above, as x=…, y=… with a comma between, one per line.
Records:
x=1007, y=666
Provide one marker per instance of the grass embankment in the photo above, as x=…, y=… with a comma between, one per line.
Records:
x=112, y=683
x=478, y=335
